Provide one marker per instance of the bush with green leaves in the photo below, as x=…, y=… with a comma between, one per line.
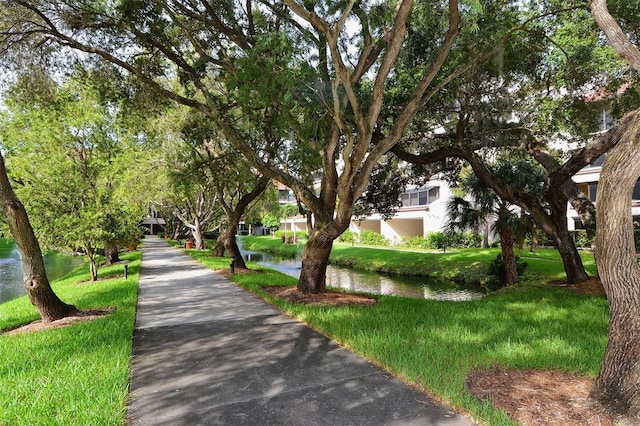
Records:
x=348, y=237
x=497, y=274
x=581, y=239
x=300, y=235
x=371, y=238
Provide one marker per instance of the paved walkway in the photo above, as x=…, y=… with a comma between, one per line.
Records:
x=207, y=352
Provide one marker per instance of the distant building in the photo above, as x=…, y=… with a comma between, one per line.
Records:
x=153, y=222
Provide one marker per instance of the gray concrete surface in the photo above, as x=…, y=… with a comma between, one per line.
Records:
x=207, y=352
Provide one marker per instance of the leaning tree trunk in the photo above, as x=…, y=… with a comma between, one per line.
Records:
x=617, y=386
x=36, y=283
x=315, y=257
x=573, y=266
x=232, y=246
x=571, y=260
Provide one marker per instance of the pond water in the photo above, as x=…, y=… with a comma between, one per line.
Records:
x=11, y=285
x=371, y=282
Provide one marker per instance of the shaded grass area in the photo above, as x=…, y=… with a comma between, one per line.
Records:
x=435, y=344
x=76, y=375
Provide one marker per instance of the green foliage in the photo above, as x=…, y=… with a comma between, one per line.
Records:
x=348, y=237
x=270, y=220
x=497, y=272
x=439, y=240
x=64, y=152
x=581, y=239
x=283, y=233
x=371, y=238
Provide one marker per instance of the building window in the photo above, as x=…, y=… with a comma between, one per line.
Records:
x=636, y=191
x=420, y=197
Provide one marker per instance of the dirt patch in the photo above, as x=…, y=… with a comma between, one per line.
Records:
x=105, y=278
x=536, y=397
x=81, y=316
x=592, y=286
x=237, y=271
x=325, y=298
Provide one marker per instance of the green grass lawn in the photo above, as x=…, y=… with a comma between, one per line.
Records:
x=78, y=375
x=435, y=344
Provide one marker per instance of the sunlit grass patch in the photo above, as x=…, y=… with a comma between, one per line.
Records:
x=73, y=375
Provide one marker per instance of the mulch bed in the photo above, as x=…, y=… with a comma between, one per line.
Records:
x=539, y=397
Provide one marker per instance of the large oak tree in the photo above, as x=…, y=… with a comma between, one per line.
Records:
x=617, y=386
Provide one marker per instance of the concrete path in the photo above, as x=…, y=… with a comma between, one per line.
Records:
x=207, y=352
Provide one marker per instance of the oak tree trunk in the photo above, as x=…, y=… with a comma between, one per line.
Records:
x=232, y=246
x=573, y=266
x=36, y=283
x=219, y=249
x=315, y=259
x=617, y=386
x=111, y=253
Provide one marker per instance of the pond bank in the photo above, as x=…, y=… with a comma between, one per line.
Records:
x=461, y=265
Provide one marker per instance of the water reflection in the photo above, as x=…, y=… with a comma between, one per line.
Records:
x=371, y=282
x=11, y=285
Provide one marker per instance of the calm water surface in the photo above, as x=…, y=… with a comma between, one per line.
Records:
x=371, y=282
x=11, y=285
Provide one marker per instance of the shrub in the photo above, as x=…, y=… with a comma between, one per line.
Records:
x=372, y=238
x=415, y=242
x=497, y=272
x=438, y=240
x=300, y=235
x=581, y=239
x=348, y=237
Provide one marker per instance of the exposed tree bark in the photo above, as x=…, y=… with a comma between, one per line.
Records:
x=508, y=256
x=219, y=249
x=111, y=253
x=93, y=267
x=36, y=283
x=617, y=386
x=616, y=36
x=317, y=250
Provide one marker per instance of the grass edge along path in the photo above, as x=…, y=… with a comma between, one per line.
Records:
x=433, y=345
x=79, y=374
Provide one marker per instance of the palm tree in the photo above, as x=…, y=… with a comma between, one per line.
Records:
x=475, y=207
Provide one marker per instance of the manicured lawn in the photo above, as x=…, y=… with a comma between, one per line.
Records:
x=435, y=344
x=77, y=375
